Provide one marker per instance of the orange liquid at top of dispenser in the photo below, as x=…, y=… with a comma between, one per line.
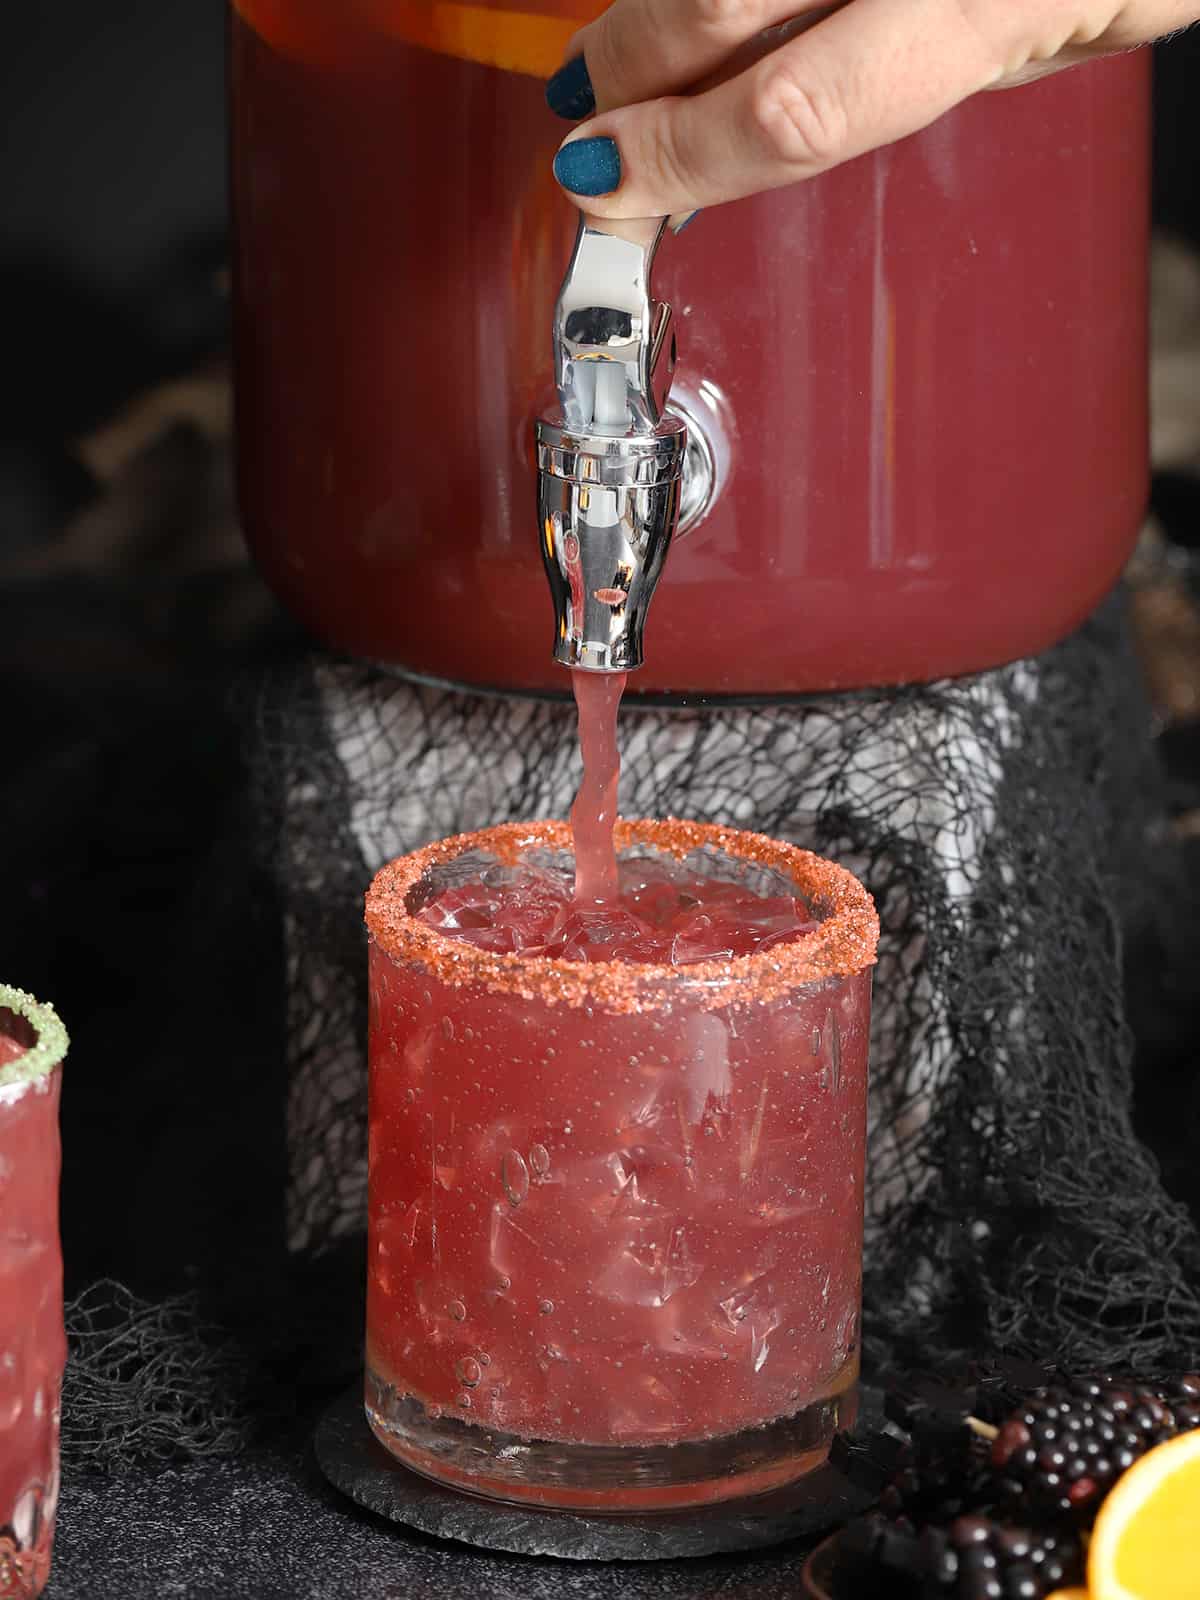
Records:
x=529, y=39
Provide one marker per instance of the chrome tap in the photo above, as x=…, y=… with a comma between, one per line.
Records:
x=610, y=465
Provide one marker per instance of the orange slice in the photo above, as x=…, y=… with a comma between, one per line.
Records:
x=1146, y=1542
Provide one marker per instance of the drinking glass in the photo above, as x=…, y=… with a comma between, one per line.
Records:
x=615, y=1236
x=33, y=1346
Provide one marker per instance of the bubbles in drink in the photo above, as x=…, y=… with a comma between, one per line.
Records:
x=515, y=1176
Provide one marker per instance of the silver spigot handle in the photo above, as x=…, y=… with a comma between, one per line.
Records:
x=609, y=467
x=614, y=346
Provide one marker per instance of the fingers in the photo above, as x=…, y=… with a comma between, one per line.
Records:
x=866, y=75
x=640, y=49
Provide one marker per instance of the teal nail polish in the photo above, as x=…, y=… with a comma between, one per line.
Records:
x=569, y=93
x=589, y=166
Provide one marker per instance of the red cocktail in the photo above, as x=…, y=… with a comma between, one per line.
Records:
x=616, y=1164
x=33, y=1347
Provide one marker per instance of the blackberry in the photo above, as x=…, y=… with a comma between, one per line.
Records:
x=944, y=1468
x=974, y=1558
x=1065, y=1446
x=936, y=1479
x=874, y=1555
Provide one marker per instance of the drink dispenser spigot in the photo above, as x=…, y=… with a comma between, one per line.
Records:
x=610, y=465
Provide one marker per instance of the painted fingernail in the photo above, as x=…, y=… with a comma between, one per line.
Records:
x=589, y=166
x=678, y=224
x=569, y=92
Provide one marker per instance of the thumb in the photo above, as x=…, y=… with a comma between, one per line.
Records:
x=865, y=76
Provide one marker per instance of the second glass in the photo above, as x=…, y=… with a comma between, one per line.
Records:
x=33, y=1347
x=616, y=1210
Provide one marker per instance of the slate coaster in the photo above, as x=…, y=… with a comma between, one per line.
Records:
x=356, y=1463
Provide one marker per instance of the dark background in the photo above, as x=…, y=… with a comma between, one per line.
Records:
x=112, y=194
x=123, y=805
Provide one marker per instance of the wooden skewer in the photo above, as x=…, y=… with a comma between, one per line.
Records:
x=982, y=1430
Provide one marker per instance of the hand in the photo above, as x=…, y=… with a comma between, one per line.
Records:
x=706, y=100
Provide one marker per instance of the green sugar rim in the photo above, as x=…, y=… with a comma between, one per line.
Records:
x=41, y=1058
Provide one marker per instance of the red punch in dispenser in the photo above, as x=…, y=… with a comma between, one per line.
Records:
x=913, y=387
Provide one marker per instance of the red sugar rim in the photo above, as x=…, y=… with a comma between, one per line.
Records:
x=842, y=945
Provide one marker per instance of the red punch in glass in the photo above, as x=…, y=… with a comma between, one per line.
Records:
x=33, y=1347
x=616, y=1164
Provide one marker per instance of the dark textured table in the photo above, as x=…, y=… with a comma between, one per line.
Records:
x=270, y=1528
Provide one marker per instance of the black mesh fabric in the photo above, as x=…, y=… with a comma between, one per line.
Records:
x=149, y=1383
x=1006, y=826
